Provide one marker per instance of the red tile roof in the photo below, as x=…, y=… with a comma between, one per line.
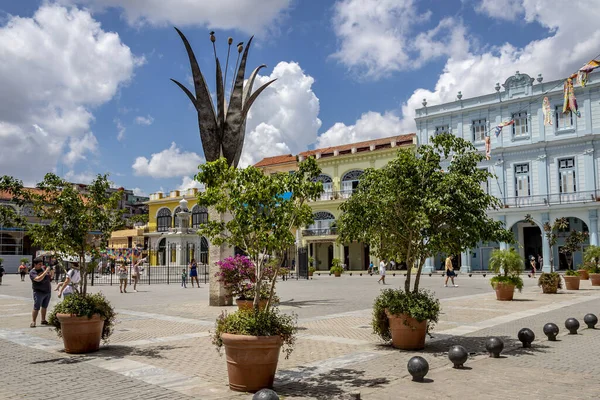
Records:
x=268, y=161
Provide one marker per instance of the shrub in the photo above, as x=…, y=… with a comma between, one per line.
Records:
x=311, y=269
x=422, y=306
x=336, y=266
x=570, y=272
x=550, y=279
x=257, y=323
x=516, y=281
x=85, y=306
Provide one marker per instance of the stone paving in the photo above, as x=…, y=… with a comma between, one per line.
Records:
x=161, y=347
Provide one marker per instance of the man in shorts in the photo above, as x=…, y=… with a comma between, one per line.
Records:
x=41, y=283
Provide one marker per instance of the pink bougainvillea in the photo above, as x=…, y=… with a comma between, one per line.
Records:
x=238, y=275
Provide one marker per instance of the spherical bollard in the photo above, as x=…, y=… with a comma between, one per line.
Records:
x=484, y=275
x=572, y=325
x=470, y=275
x=590, y=320
x=494, y=346
x=265, y=394
x=429, y=275
x=551, y=330
x=526, y=336
x=458, y=355
x=418, y=367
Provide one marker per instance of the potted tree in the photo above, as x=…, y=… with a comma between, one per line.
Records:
x=336, y=268
x=508, y=264
x=571, y=279
x=262, y=211
x=583, y=271
x=82, y=320
x=572, y=245
x=238, y=275
x=550, y=282
x=592, y=257
x=426, y=201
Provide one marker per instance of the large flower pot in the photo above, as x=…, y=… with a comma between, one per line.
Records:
x=595, y=279
x=549, y=288
x=407, y=332
x=572, y=282
x=81, y=334
x=251, y=361
x=249, y=304
x=504, y=291
x=310, y=273
x=337, y=274
x=584, y=275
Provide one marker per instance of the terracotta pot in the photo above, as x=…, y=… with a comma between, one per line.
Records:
x=337, y=274
x=248, y=304
x=572, y=282
x=251, y=361
x=407, y=332
x=310, y=273
x=504, y=291
x=81, y=334
x=549, y=289
x=595, y=279
x=584, y=275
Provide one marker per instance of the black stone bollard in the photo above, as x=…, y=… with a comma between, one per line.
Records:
x=265, y=394
x=418, y=367
x=590, y=320
x=470, y=275
x=551, y=330
x=572, y=325
x=494, y=346
x=458, y=355
x=526, y=336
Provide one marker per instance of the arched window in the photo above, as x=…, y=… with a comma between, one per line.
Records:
x=350, y=182
x=199, y=216
x=175, y=219
x=327, y=186
x=163, y=220
x=203, y=251
x=322, y=224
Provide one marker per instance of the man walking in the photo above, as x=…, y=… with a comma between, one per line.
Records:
x=41, y=283
x=382, y=271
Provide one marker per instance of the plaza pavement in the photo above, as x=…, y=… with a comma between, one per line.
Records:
x=161, y=348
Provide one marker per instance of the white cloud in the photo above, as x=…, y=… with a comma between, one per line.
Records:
x=55, y=67
x=501, y=9
x=377, y=37
x=250, y=16
x=139, y=192
x=370, y=125
x=80, y=177
x=190, y=183
x=149, y=120
x=120, y=129
x=570, y=43
x=171, y=162
x=284, y=119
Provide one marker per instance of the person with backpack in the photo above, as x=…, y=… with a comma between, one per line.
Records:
x=1, y=272
x=72, y=279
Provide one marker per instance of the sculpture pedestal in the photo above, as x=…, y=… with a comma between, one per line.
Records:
x=218, y=295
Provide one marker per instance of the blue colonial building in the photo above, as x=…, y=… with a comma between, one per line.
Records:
x=548, y=170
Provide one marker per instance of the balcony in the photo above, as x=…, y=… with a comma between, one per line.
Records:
x=335, y=195
x=320, y=231
x=552, y=199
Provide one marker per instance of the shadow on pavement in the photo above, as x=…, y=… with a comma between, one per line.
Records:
x=306, y=303
x=114, y=351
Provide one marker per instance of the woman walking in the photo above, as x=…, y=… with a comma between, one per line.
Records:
x=194, y=272
x=69, y=286
x=122, y=273
x=135, y=274
x=23, y=271
x=382, y=272
x=533, y=267
x=450, y=274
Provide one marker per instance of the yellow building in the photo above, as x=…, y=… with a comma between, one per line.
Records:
x=341, y=168
x=126, y=238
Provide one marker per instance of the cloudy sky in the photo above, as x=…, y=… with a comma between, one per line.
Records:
x=84, y=84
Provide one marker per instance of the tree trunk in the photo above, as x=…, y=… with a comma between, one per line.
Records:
x=408, y=273
x=83, y=271
x=418, y=276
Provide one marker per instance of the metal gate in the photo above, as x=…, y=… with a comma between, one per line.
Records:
x=303, y=262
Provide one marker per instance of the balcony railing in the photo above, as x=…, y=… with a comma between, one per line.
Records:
x=552, y=199
x=335, y=195
x=320, y=231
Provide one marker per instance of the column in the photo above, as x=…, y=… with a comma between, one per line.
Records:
x=593, y=227
x=465, y=261
x=545, y=244
x=542, y=175
x=428, y=267
x=588, y=162
x=503, y=246
x=218, y=296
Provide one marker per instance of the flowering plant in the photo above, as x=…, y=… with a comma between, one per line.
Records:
x=237, y=275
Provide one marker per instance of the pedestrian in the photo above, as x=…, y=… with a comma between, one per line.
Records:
x=184, y=278
x=450, y=274
x=69, y=286
x=122, y=273
x=23, y=271
x=370, y=269
x=41, y=283
x=1, y=272
x=382, y=272
x=540, y=261
x=393, y=265
x=194, y=272
x=532, y=263
x=135, y=274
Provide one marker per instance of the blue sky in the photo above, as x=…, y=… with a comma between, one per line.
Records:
x=87, y=86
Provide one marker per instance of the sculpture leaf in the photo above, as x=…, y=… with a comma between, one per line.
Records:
x=220, y=101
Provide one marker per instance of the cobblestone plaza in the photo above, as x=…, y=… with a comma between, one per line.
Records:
x=161, y=348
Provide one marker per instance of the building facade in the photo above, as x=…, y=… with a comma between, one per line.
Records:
x=545, y=163
x=341, y=169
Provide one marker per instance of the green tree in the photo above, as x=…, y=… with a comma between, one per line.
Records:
x=572, y=245
x=425, y=201
x=68, y=222
x=261, y=210
x=141, y=218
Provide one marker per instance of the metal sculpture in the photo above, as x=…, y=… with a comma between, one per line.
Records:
x=222, y=132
